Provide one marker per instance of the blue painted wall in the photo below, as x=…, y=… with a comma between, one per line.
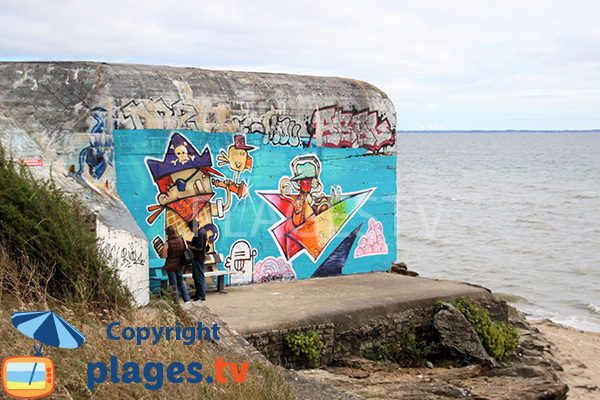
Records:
x=358, y=219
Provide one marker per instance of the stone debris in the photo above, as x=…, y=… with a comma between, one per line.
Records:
x=401, y=268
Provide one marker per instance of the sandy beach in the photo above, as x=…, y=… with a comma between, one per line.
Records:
x=578, y=352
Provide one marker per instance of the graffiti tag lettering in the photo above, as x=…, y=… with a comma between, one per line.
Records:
x=122, y=257
x=362, y=129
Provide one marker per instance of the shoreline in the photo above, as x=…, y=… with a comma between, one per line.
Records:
x=581, y=322
x=578, y=352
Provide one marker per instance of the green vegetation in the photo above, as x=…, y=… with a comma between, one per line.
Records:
x=411, y=350
x=307, y=343
x=414, y=349
x=50, y=238
x=497, y=338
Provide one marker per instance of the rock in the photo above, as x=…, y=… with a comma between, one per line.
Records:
x=459, y=337
x=402, y=269
x=400, y=265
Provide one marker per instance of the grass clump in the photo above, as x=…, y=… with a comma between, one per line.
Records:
x=48, y=237
x=411, y=350
x=308, y=343
x=497, y=338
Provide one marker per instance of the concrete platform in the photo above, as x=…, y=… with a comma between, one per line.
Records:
x=347, y=301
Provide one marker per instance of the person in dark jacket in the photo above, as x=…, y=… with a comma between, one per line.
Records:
x=199, y=246
x=173, y=252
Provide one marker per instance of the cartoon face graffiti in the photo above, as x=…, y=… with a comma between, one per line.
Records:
x=238, y=160
x=186, y=183
x=311, y=219
x=241, y=257
x=237, y=156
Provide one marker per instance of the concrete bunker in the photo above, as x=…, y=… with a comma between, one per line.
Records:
x=293, y=176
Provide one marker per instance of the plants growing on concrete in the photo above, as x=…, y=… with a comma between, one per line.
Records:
x=411, y=350
x=308, y=343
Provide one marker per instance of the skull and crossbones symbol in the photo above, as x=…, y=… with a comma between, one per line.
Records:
x=182, y=154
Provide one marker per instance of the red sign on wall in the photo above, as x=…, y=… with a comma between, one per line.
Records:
x=32, y=162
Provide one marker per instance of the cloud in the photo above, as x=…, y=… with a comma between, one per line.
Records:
x=469, y=58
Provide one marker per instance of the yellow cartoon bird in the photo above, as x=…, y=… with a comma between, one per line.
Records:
x=237, y=157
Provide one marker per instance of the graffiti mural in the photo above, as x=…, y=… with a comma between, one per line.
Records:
x=186, y=181
x=329, y=126
x=273, y=269
x=241, y=260
x=302, y=211
x=362, y=129
x=238, y=160
x=122, y=256
x=158, y=114
x=311, y=219
x=334, y=264
x=279, y=131
x=128, y=254
x=373, y=242
x=188, y=114
x=98, y=156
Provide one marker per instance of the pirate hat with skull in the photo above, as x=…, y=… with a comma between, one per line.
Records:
x=181, y=154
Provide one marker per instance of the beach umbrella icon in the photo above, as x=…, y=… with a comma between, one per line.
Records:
x=48, y=328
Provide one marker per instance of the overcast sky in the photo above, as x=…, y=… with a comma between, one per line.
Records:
x=504, y=64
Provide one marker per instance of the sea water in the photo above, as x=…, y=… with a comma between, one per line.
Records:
x=516, y=212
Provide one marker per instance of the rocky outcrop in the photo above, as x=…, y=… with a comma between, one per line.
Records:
x=530, y=373
x=458, y=336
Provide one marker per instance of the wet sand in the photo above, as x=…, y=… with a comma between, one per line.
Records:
x=578, y=352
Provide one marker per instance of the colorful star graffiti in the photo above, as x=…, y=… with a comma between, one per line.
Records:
x=311, y=219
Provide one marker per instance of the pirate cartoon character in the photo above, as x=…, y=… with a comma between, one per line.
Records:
x=238, y=160
x=183, y=179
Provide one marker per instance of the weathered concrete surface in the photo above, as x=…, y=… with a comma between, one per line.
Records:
x=348, y=301
x=53, y=101
x=233, y=343
x=530, y=372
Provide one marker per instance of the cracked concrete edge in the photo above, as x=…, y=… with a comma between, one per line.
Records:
x=304, y=388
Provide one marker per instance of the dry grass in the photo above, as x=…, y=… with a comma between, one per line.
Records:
x=23, y=289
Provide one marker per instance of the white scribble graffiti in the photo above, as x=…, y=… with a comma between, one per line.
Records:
x=241, y=257
x=122, y=257
x=158, y=114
